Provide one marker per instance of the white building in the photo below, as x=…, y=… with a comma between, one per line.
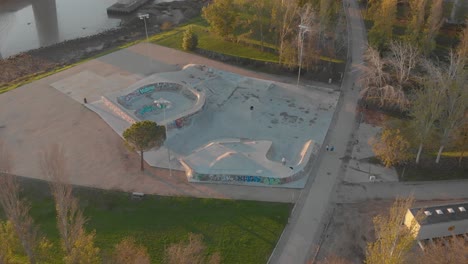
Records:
x=439, y=221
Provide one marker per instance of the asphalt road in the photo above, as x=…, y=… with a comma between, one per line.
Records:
x=301, y=235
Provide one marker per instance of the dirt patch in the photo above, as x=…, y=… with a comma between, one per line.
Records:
x=351, y=228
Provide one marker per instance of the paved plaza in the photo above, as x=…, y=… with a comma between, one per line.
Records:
x=50, y=111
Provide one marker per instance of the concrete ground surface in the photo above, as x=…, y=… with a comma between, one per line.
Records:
x=36, y=115
x=285, y=115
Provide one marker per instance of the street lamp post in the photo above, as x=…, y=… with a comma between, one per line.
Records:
x=144, y=17
x=302, y=31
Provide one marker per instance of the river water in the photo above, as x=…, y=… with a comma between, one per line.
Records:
x=30, y=24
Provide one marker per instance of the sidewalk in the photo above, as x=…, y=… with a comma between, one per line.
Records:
x=301, y=235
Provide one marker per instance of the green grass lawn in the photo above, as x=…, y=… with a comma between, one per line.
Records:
x=242, y=231
x=209, y=41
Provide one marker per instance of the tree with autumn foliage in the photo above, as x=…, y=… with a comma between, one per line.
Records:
x=393, y=239
x=391, y=148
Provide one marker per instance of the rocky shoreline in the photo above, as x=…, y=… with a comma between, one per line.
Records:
x=68, y=52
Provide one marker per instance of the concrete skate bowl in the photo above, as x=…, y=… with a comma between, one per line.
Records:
x=237, y=161
x=167, y=103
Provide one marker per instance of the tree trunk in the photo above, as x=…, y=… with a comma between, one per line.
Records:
x=261, y=36
x=419, y=153
x=142, y=162
x=461, y=157
x=439, y=153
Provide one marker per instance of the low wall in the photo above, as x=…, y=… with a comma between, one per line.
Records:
x=179, y=121
x=117, y=110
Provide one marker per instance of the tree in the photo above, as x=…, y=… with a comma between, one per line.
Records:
x=451, y=250
x=259, y=9
x=462, y=48
x=425, y=110
x=433, y=24
x=84, y=251
x=393, y=240
x=221, y=16
x=189, y=39
x=17, y=209
x=376, y=82
x=10, y=245
x=70, y=219
x=403, y=59
x=192, y=252
x=461, y=140
x=416, y=25
x=128, y=252
x=392, y=148
x=454, y=99
x=382, y=31
x=286, y=18
x=144, y=136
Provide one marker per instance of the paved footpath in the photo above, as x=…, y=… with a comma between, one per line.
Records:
x=301, y=234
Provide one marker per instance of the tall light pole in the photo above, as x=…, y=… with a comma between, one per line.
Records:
x=144, y=17
x=302, y=31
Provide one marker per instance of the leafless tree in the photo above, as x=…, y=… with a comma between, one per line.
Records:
x=308, y=17
x=450, y=250
x=286, y=13
x=128, y=252
x=373, y=74
x=190, y=253
x=76, y=242
x=403, y=60
x=70, y=219
x=375, y=80
x=17, y=209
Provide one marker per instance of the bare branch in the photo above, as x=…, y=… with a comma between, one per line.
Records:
x=15, y=208
x=70, y=219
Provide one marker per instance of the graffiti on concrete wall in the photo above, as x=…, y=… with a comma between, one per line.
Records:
x=241, y=179
x=126, y=100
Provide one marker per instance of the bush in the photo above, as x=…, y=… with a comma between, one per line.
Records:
x=189, y=40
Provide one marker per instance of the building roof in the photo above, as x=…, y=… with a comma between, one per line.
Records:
x=442, y=213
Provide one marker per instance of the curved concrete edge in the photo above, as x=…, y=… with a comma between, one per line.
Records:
x=183, y=118
x=308, y=153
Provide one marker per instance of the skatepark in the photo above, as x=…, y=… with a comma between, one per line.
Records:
x=285, y=117
x=223, y=127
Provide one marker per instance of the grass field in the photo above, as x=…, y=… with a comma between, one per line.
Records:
x=242, y=231
x=209, y=41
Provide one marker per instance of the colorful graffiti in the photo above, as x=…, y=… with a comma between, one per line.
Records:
x=126, y=100
x=146, y=89
x=241, y=179
x=143, y=111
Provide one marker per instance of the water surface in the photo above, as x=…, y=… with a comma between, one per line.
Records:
x=30, y=24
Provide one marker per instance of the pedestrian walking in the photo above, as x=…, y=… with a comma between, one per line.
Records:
x=327, y=147
x=332, y=148
x=283, y=161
